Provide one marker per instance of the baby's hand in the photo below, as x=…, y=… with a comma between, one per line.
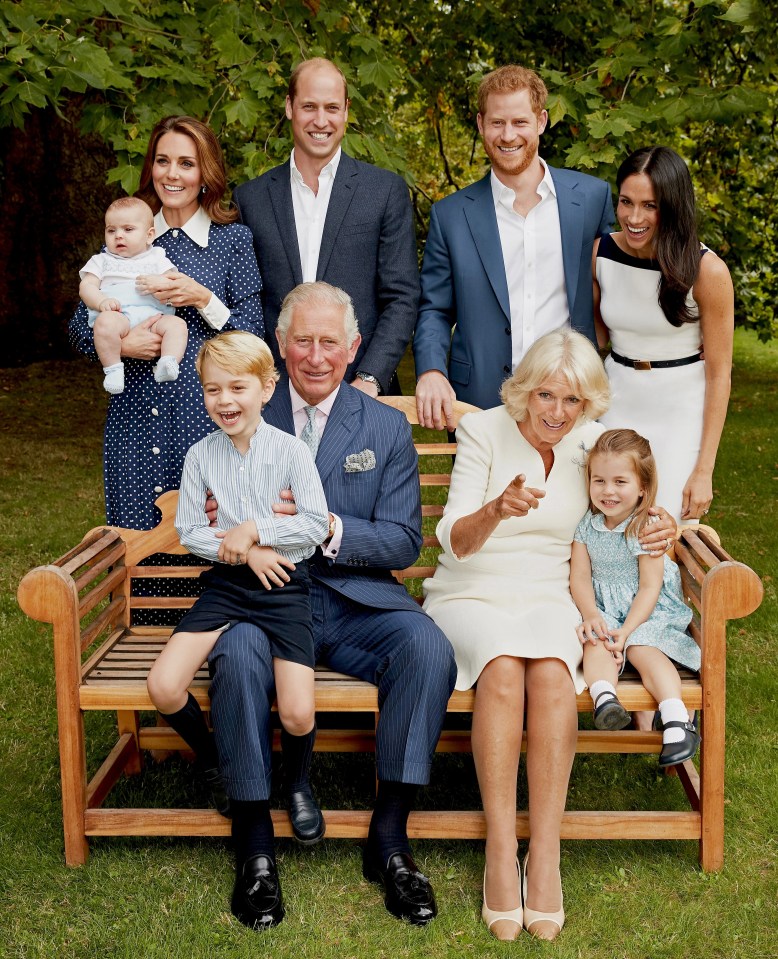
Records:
x=592, y=630
x=237, y=542
x=269, y=565
x=109, y=303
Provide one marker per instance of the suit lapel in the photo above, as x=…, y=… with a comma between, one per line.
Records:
x=343, y=190
x=482, y=221
x=278, y=409
x=571, y=226
x=283, y=210
x=336, y=441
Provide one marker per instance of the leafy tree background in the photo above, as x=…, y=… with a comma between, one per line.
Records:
x=82, y=83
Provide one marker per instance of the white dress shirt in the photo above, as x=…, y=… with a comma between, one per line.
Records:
x=300, y=417
x=532, y=255
x=310, y=212
x=215, y=313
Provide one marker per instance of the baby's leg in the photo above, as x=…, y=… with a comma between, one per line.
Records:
x=174, y=334
x=109, y=330
x=296, y=709
x=601, y=672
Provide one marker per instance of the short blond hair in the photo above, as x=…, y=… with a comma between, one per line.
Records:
x=132, y=203
x=315, y=63
x=511, y=79
x=566, y=352
x=238, y=353
x=318, y=294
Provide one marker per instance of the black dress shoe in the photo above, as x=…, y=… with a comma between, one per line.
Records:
x=674, y=753
x=219, y=796
x=407, y=892
x=609, y=713
x=307, y=821
x=256, y=897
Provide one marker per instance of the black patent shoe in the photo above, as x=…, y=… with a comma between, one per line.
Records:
x=609, y=713
x=219, y=797
x=306, y=817
x=674, y=753
x=256, y=897
x=407, y=892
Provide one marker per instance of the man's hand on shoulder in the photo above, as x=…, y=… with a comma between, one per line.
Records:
x=435, y=400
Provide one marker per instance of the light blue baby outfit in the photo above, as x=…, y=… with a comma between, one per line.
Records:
x=615, y=577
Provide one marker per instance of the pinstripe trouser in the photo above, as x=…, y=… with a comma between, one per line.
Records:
x=402, y=652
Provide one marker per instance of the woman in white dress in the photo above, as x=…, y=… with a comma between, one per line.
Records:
x=501, y=595
x=661, y=299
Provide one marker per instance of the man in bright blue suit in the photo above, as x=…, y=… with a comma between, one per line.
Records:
x=364, y=623
x=507, y=259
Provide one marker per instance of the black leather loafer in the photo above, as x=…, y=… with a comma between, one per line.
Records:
x=407, y=892
x=256, y=897
x=219, y=796
x=674, y=753
x=307, y=821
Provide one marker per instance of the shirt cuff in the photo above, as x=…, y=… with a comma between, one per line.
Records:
x=215, y=313
x=332, y=548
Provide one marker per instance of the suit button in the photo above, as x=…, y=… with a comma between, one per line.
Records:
x=506, y=369
x=507, y=331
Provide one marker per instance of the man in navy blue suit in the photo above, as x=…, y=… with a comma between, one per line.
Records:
x=507, y=259
x=364, y=623
x=324, y=216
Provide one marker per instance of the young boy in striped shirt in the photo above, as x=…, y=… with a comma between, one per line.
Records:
x=260, y=571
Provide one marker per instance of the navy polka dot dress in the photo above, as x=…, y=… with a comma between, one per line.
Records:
x=150, y=426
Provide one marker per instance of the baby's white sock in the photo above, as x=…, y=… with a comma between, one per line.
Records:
x=601, y=686
x=673, y=710
x=166, y=369
x=114, y=378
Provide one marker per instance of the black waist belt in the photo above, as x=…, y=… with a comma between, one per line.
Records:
x=655, y=364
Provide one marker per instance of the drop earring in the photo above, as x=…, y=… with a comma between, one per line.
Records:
x=204, y=189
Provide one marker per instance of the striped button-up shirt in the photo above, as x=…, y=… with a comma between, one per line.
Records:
x=245, y=488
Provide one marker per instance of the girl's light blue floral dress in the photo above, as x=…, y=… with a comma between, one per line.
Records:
x=615, y=578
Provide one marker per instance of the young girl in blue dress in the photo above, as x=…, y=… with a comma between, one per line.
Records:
x=631, y=603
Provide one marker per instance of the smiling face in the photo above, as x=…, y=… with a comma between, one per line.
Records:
x=316, y=350
x=234, y=401
x=177, y=177
x=318, y=115
x=614, y=487
x=638, y=214
x=552, y=411
x=128, y=230
x=511, y=131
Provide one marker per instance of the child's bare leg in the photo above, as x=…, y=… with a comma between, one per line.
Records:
x=109, y=330
x=174, y=334
x=661, y=679
x=296, y=709
x=601, y=672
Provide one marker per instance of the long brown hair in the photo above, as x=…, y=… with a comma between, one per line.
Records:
x=209, y=156
x=637, y=448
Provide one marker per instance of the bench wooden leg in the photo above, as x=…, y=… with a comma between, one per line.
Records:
x=72, y=764
x=129, y=722
x=712, y=790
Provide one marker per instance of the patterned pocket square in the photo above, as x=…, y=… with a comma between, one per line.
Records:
x=360, y=462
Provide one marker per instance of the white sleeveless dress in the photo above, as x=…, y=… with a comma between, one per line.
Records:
x=666, y=406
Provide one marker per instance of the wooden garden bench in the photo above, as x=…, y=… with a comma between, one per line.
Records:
x=102, y=660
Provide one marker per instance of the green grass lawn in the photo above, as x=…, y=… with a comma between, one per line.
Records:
x=170, y=898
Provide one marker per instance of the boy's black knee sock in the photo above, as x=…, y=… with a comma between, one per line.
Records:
x=296, y=753
x=388, y=831
x=252, y=829
x=189, y=723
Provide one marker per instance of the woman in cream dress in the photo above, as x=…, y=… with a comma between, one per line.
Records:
x=501, y=595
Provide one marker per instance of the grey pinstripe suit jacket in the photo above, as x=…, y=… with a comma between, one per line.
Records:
x=380, y=508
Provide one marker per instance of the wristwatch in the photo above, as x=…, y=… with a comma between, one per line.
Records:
x=369, y=378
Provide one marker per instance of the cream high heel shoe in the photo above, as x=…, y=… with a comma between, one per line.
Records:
x=531, y=916
x=491, y=916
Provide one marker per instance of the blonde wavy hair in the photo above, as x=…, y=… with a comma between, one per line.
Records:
x=238, y=353
x=562, y=352
x=638, y=450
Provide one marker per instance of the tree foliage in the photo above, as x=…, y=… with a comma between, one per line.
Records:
x=699, y=76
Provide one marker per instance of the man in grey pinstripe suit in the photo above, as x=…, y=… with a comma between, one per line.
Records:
x=365, y=624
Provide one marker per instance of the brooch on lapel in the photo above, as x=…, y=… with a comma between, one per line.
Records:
x=360, y=462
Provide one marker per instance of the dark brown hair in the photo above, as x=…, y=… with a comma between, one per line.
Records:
x=209, y=156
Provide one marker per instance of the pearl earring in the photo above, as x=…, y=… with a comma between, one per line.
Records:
x=204, y=189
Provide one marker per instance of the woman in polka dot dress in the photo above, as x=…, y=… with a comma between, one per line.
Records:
x=150, y=426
